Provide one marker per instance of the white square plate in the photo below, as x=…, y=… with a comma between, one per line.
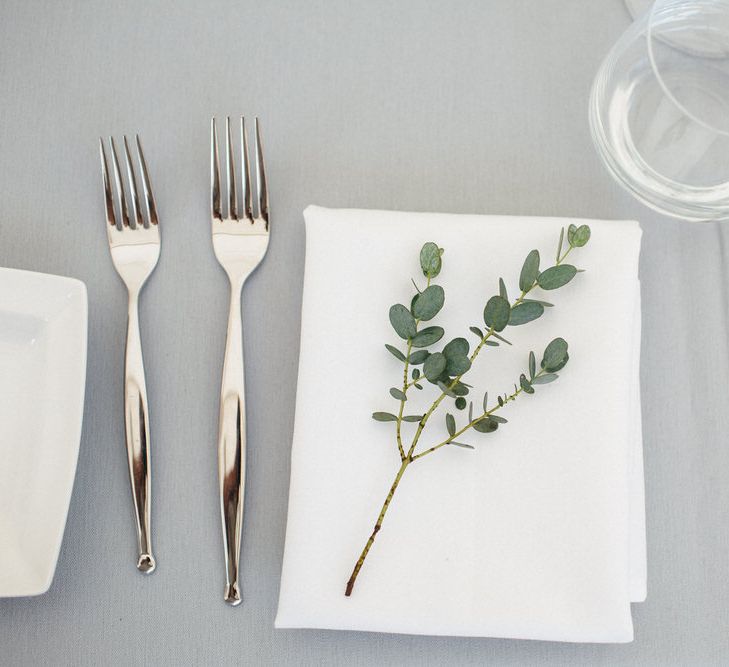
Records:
x=42, y=379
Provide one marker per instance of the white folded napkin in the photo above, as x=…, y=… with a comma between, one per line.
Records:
x=539, y=532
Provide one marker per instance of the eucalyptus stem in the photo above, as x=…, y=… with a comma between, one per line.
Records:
x=473, y=422
x=360, y=561
x=405, y=387
x=446, y=368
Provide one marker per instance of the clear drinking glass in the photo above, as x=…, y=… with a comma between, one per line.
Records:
x=659, y=109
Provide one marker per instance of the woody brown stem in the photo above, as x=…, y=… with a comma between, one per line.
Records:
x=360, y=562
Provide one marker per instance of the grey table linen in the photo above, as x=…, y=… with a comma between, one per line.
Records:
x=467, y=107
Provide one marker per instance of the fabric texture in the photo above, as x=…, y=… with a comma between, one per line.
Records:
x=539, y=533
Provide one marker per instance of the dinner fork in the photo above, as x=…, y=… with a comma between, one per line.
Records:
x=240, y=243
x=134, y=243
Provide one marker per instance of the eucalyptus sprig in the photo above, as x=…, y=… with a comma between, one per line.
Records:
x=444, y=369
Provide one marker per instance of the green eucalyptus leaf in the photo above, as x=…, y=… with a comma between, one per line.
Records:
x=532, y=365
x=529, y=271
x=434, y=365
x=450, y=424
x=457, y=347
x=491, y=343
x=402, y=321
x=498, y=419
x=456, y=353
x=460, y=389
x=427, y=304
x=501, y=401
x=460, y=403
x=485, y=402
x=427, y=336
x=546, y=378
x=419, y=356
x=556, y=276
x=543, y=303
x=496, y=313
x=581, y=236
x=470, y=412
x=476, y=331
x=395, y=352
x=501, y=338
x=486, y=425
x=399, y=395
x=561, y=242
x=555, y=355
x=525, y=385
x=430, y=260
x=502, y=289
x=412, y=418
x=461, y=444
x=525, y=312
x=571, y=230
x=384, y=417
x=418, y=386
x=416, y=373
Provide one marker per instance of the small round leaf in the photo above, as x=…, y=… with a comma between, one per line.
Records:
x=525, y=384
x=427, y=304
x=529, y=271
x=399, y=395
x=496, y=313
x=486, y=425
x=457, y=347
x=525, y=312
x=434, y=365
x=581, y=236
x=427, y=336
x=555, y=355
x=571, y=230
x=419, y=356
x=556, y=276
x=430, y=260
x=402, y=321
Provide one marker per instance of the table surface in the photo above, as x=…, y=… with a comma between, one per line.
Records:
x=462, y=107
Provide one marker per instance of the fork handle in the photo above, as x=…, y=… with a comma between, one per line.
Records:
x=232, y=446
x=136, y=423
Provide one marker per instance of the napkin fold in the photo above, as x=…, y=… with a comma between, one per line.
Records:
x=538, y=533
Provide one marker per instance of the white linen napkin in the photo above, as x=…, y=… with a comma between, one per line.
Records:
x=539, y=532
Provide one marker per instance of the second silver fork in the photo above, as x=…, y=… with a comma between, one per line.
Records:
x=240, y=242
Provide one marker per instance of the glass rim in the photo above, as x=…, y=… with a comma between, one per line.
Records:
x=650, y=37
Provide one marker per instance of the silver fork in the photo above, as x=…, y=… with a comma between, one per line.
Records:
x=240, y=243
x=134, y=244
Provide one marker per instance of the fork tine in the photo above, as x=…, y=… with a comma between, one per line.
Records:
x=146, y=185
x=108, y=201
x=247, y=198
x=230, y=171
x=261, y=183
x=136, y=213
x=214, y=173
x=121, y=199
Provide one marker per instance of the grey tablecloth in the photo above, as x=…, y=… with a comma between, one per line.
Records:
x=462, y=107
